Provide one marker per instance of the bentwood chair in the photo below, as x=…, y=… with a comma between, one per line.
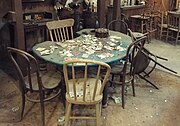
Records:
x=34, y=87
x=126, y=70
x=85, y=90
x=173, y=26
x=147, y=62
x=61, y=30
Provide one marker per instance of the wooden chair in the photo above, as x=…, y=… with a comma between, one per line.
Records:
x=161, y=21
x=147, y=62
x=173, y=26
x=33, y=86
x=85, y=90
x=126, y=70
x=140, y=23
x=61, y=30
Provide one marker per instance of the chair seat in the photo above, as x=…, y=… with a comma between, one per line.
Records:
x=174, y=29
x=163, y=25
x=138, y=34
x=117, y=69
x=54, y=77
x=79, y=89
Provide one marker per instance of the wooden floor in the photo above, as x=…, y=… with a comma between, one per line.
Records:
x=150, y=107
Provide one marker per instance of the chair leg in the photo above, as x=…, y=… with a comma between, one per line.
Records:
x=123, y=95
x=98, y=117
x=100, y=107
x=176, y=38
x=42, y=113
x=133, y=88
x=167, y=35
x=68, y=112
x=160, y=33
x=66, y=106
x=148, y=81
x=23, y=106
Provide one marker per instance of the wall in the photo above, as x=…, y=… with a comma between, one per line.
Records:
x=5, y=33
x=162, y=5
x=4, y=8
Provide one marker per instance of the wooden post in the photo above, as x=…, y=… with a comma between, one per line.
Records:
x=116, y=9
x=101, y=13
x=19, y=28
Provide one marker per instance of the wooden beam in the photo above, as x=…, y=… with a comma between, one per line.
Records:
x=116, y=9
x=101, y=13
x=19, y=28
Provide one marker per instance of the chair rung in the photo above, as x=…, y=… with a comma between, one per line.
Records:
x=82, y=117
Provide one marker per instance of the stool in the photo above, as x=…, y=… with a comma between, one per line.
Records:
x=140, y=26
x=140, y=21
x=152, y=24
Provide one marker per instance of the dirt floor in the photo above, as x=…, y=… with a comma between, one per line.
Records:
x=150, y=107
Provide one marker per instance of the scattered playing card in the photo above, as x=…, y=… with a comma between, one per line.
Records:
x=45, y=52
x=70, y=41
x=120, y=48
x=61, y=44
x=108, y=47
x=85, y=55
x=105, y=55
x=115, y=37
x=40, y=49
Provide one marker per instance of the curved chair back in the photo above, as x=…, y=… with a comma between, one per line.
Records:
x=134, y=49
x=118, y=25
x=61, y=30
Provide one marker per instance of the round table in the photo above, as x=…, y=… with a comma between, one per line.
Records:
x=108, y=50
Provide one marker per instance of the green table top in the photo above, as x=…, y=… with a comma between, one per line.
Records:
x=109, y=50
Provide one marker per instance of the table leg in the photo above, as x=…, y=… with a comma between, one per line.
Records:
x=105, y=96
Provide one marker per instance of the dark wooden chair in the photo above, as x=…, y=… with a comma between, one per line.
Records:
x=143, y=68
x=173, y=26
x=33, y=86
x=144, y=58
x=126, y=70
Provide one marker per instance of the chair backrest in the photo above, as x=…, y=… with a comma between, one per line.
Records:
x=173, y=20
x=26, y=66
x=86, y=88
x=132, y=52
x=118, y=25
x=141, y=61
x=124, y=18
x=61, y=30
x=161, y=18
